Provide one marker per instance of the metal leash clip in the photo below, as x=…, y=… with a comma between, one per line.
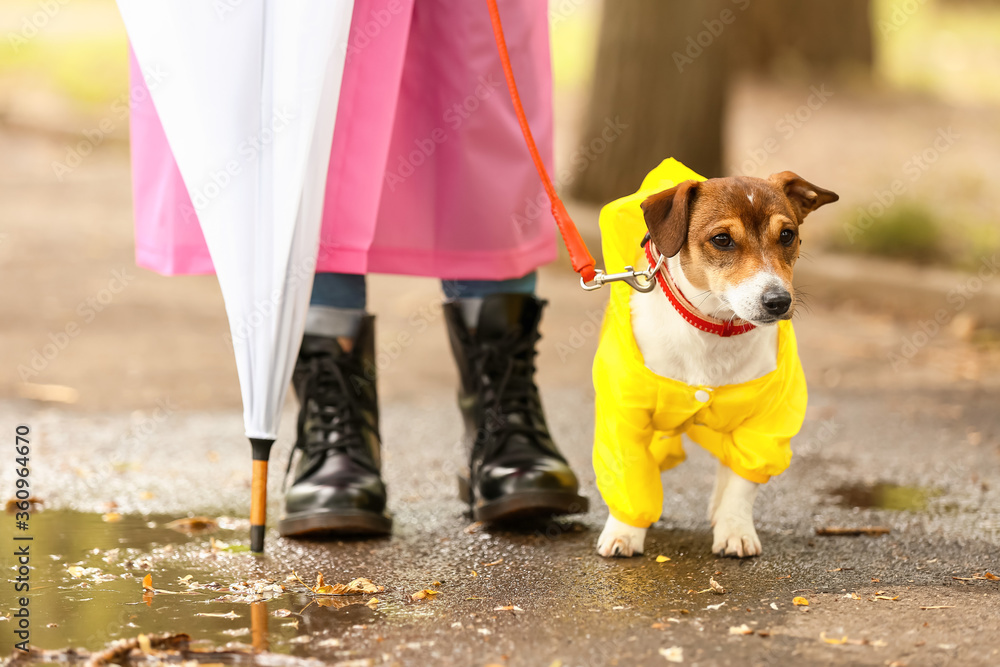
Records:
x=630, y=276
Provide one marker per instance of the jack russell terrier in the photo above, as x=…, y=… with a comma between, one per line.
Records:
x=711, y=354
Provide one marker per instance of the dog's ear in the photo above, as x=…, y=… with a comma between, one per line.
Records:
x=667, y=215
x=803, y=195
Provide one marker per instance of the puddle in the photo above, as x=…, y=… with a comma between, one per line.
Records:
x=884, y=496
x=87, y=589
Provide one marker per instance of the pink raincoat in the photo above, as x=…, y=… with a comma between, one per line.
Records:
x=428, y=173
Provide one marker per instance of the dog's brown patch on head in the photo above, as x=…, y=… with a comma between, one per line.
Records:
x=752, y=214
x=730, y=229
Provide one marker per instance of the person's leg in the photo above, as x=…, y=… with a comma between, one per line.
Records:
x=515, y=468
x=469, y=294
x=337, y=487
x=337, y=305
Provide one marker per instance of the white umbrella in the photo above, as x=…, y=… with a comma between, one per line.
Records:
x=247, y=100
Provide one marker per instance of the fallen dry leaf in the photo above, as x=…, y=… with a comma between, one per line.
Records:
x=359, y=586
x=111, y=517
x=940, y=606
x=831, y=640
x=716, y=586
x=231, y=614
x=194, y=525
x=800, y=601
x=510, y=607
x=51, y=393
x=283, y=613
x=662, y=559
x=831, y=531
x=147, y=582
x=673, y=654
x=373, y=603
x=740, y=630
x=34, y=505
x=885, y=597
x=989, y=576
x=426, y=593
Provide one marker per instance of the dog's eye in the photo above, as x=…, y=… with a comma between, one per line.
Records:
x=723, y=241
x=787, y=236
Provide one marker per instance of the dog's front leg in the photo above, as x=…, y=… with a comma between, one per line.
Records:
x=722, y=477
x=734, y=533
x=620, y=539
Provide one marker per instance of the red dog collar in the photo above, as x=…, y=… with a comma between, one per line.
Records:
x=694, y=317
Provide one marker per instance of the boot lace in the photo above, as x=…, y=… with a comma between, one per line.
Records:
x=511, y=404
x=335, y=408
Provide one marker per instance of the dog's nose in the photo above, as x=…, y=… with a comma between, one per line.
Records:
x=776, y=302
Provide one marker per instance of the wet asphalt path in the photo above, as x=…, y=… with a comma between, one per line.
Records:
x=575, y=608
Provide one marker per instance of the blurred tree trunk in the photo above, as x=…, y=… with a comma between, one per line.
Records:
x=819, y=36
x=663, y=67
x=658, y=92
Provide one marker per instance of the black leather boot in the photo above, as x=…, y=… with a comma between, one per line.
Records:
x=515, y=470
x=337, y=488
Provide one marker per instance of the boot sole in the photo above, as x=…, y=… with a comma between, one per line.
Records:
x=524, y=505
x=317, y=524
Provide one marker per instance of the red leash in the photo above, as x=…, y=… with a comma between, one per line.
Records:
x=583, y=261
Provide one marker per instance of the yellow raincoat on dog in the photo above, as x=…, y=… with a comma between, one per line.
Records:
x=640, y=416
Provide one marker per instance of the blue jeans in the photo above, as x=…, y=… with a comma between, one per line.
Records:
x=348, y=291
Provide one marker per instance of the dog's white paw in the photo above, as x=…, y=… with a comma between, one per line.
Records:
x=735, y=537
x=620, y=539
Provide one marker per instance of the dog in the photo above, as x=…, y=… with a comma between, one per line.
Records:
x=710, y=353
